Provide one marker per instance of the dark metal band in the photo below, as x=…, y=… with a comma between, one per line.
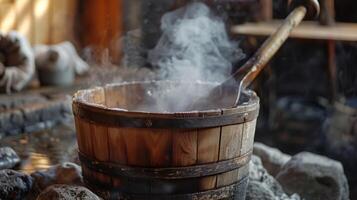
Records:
x=194, y=171
x=117, y=120
x=235, y=191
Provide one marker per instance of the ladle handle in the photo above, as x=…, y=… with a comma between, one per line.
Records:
x=250, y=70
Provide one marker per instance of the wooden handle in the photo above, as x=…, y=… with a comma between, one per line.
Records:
x=250, y=70
x=313, y=7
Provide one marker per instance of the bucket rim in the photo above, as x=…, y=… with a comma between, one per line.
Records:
x=96, y=112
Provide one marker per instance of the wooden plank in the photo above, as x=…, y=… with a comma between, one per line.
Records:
x=266, y=7
x=115, y=28
x=230, y=147
x=99, y=136
x=332, y=69
x=135, y=147
x=184, y=148
x=115, y=97
x=117, y=151
x=117, y=146
x=7, y=16
x=84, y=143
x=159, y=143
x=307, y=30
x=62, y=20
x=147, y=147
x=248, y=137
x=42, y=16
x=184, y=153
x=208, y=152
x=95, y=26
x=24, y=18
x=327, y=16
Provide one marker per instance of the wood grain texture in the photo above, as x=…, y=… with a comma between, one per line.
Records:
x=135, y=147
x=62, y=20
x=115, y=97
x=158, y=144
x=117, y=151
x=99, y=135
x=84, y=142
x=25, y=18
x=231, y=142
x=148, y=147
x=306, y=30
x=42, y=21
x=248, y=137
x=184, y=147
x=208, y=152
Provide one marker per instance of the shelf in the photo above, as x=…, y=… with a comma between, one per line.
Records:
x=306, y=30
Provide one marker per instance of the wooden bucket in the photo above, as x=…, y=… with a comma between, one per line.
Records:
x=142, y=155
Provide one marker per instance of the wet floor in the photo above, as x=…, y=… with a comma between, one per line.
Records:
x=43, y=149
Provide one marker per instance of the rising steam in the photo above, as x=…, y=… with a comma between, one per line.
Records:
x=194, y=47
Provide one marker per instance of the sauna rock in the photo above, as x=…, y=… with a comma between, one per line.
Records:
x=65, y=173
x=262, y=185
x=273, y=159
x=67, y=192
x=14, y=185
x=314, y=177
x=8, y=158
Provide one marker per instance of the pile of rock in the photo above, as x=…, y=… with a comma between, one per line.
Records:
x=60, y=182
x=273, y=176
x=304, y=176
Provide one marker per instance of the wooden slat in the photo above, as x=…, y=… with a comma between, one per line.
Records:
x=207, y=152
x=230, y=146
x=62, y=20
x=99, y=135
x=24, y=18
x=84, y=142
x=7, y=16
x=95, y=26
x=115, y=97
x=266, y=7
x=42, y=20
x=117, y=151
x=184, y=153
x=117, y=146
x=158, y=144
x=115, y=29
x=307, y=30
x=184, y=148
x=147, y=147
x=248, y=137
x=135, y=147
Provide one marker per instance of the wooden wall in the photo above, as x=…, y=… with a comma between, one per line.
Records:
x=41, y=21
x=89, y=23
x=101, y=27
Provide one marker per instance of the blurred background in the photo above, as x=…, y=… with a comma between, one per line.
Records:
x=308, y=93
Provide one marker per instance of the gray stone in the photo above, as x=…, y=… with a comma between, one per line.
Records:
x=66, y=173
x=263, y=186
x=8, y=158
x=67, y=192
x=14, y=185
x=273, y=159
x=257, y=190
x=314, y=177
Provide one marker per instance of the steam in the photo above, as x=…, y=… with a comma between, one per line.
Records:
x=194, y=46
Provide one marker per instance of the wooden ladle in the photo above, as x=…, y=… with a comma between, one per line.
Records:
x=250, y=70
